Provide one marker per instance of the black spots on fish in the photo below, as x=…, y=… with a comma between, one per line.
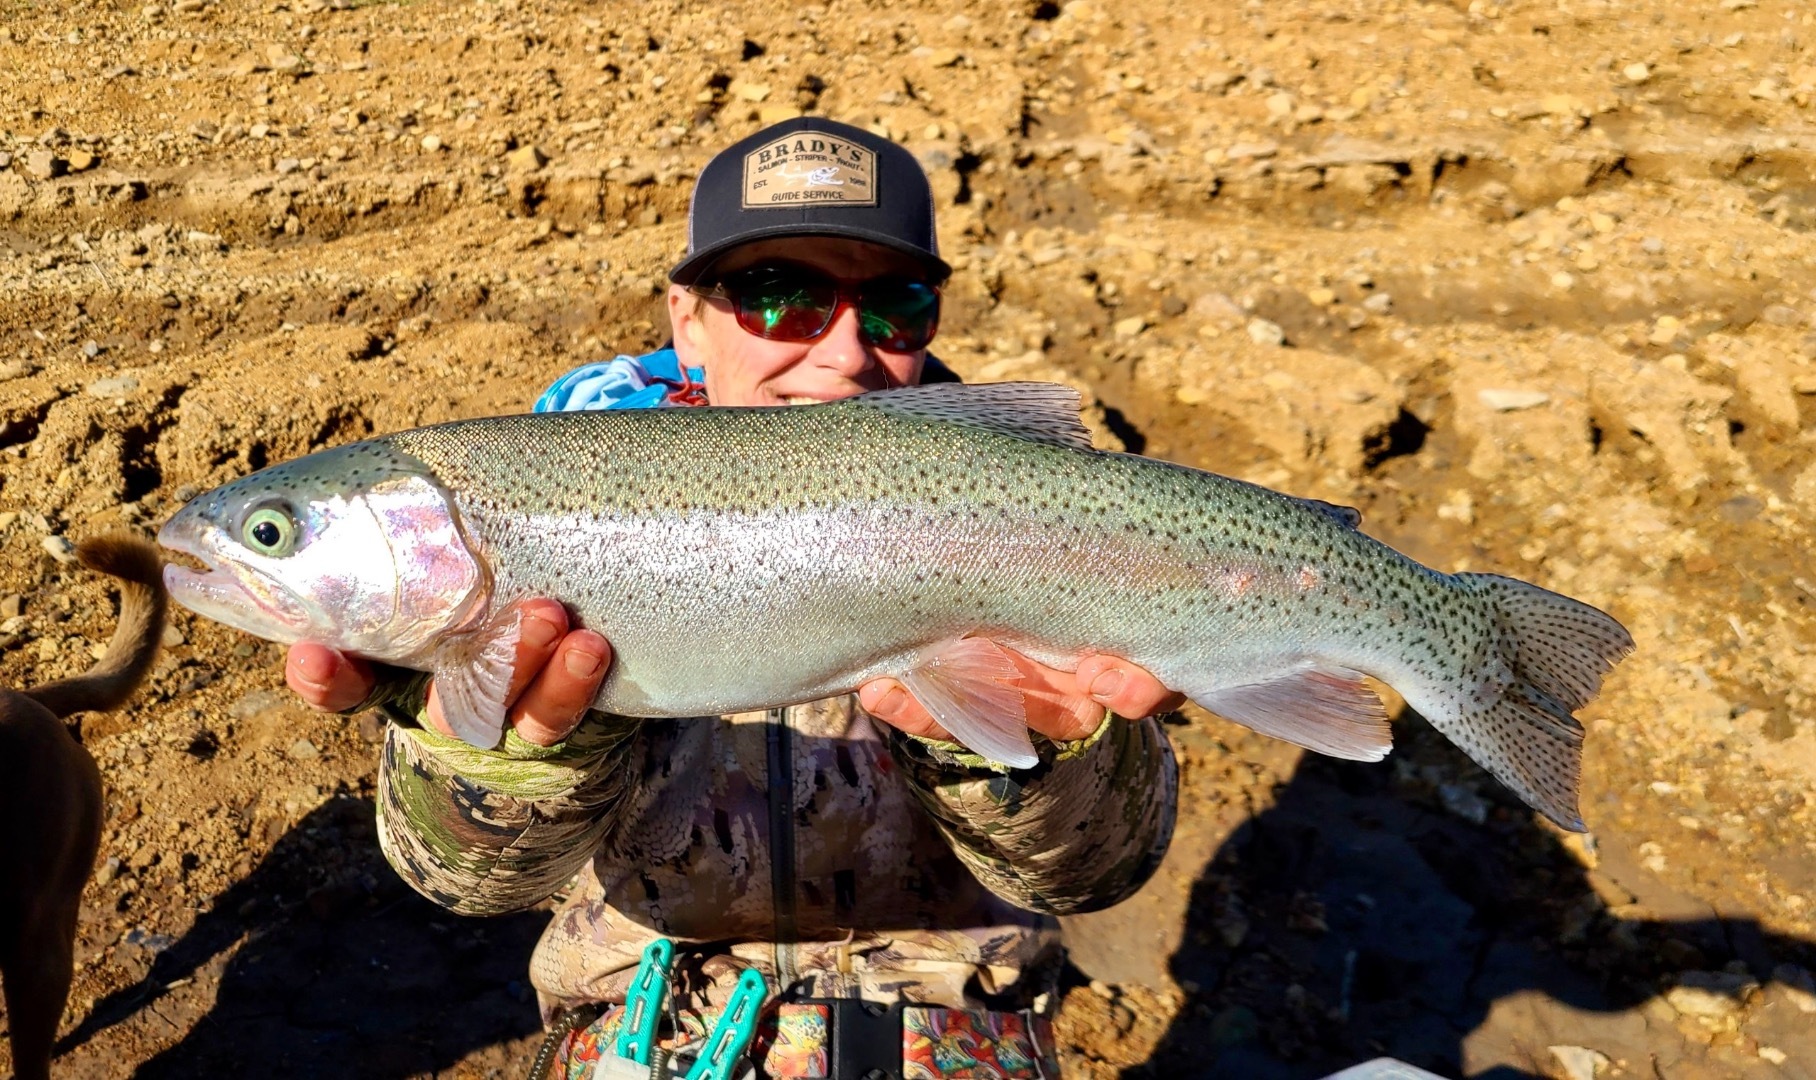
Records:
x=650, y=891
x=845, y=890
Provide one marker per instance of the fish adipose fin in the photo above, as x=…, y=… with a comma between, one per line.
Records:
x=472, y=677
x=1036, y=411
x=968, y=687
x=1347, y=516
x=1327, y=709
x=1559, y=650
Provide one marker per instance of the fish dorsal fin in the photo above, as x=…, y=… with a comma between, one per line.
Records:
x=1347, y=516
x=1036, y=411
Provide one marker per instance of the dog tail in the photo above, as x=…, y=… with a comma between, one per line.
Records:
x=108, y=684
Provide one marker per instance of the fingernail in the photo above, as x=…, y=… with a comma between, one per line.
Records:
x=1105, y=686
x=889, y=705
x=582, y=664
x=330, y=663
x=538, y=633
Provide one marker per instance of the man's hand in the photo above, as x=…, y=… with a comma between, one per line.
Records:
x=554, y=680
x=1062, y=705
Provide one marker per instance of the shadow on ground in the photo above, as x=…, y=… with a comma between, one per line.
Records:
x=1358, y=916
x=340, y=970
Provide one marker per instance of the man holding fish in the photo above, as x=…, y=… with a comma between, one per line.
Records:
x=825, y=848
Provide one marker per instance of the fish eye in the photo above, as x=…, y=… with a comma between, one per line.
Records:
x=271, y=530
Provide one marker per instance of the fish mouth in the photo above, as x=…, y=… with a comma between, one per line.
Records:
x=225, y=590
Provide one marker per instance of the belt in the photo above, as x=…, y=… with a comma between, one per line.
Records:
x=850, y=1039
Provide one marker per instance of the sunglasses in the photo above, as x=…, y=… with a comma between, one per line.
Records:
x=789, y=302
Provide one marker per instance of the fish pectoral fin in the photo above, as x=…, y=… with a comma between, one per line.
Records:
x=473, y=677
x=968, y=686
x=1330, y=710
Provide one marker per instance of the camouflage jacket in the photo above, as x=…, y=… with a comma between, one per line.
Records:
x=830, y=851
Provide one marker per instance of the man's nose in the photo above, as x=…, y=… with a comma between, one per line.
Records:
x=840, y=348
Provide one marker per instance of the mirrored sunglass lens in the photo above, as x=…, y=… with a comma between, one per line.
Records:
x=899, y=314
x=783, y=305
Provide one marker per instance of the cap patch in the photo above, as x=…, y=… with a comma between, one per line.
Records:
x=807, y=168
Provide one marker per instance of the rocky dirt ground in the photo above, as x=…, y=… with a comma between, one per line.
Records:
x=1532, y=284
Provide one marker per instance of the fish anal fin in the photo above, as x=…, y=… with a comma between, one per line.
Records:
x=968, y=686
x=1327, y=709
x=473, y=678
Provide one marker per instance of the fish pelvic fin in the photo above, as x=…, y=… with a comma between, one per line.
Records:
x=968, y=686
x=473, y=678
x=1558, y=650
x=1323, y=708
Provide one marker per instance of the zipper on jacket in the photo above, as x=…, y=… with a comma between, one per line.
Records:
x=782, y=842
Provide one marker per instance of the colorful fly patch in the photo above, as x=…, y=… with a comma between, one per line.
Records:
x=955, y=1044
x=794, y=1043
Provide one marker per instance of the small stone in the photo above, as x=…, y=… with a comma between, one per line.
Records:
x=1773, y=1054
x=1265, y=332
x=1245, y=150
x=1652, y=245
x=91, y=349
x=1765, y=90
x=44, y=165
x=1378, y=303
x=304, y=750
x=1130, y=327
x=1462, y=800
x=82, y=161
x=1563, y=279
x=1191, y=395
x=1782, y=315
x=1172, y=307
x=188, y=7
x=1636, y=72
x=172, y=637
x=286, y=166
x=1322, y=296
x=151, y=11
x=525, y=159
x=1280, y=105
x=752, y=92
x=257, y=703
x=1579, y=1062
x=431, y=143
x=259, y=130
x=1512, y=400
x=59, y=548
x=1102, y=989
x=114, y=386
x=107, y=870
x=47, y=650
x=1602, y=223
x=941, y=58
x=12, y=606
x=1710, y=994
x=1664, y=330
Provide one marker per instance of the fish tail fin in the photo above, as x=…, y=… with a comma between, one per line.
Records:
x=1558, y=650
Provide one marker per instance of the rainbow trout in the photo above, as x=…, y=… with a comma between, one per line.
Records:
x=748, y=558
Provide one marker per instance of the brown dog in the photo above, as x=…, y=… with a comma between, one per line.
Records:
x=50, y=803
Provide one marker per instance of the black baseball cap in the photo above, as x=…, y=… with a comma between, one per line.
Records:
x=810, y=176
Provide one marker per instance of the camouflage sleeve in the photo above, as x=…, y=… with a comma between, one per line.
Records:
x=1078, y=832
x=484, y=832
